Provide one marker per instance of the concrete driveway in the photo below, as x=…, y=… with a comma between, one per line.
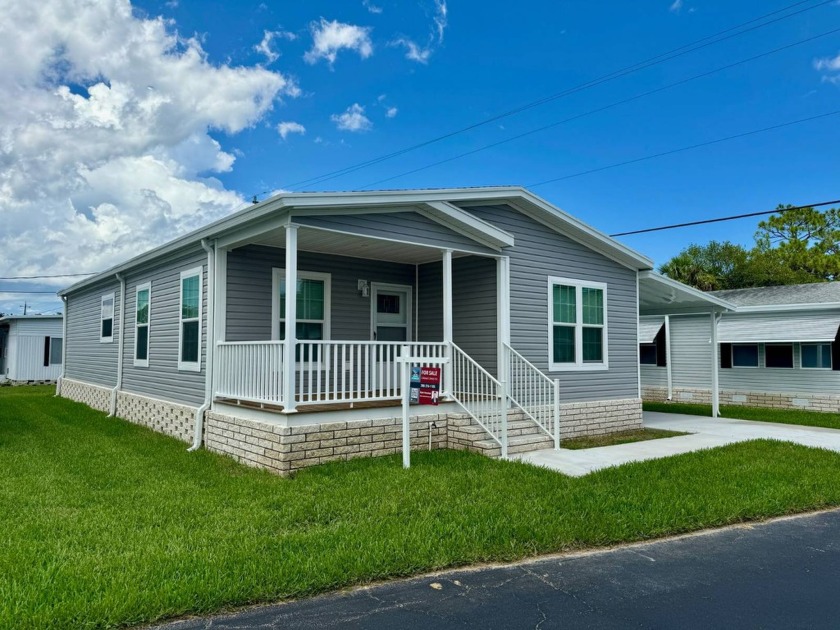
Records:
x=704, y=433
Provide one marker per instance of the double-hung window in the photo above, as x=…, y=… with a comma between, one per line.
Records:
x=142, y=313
x=189, y=346
x=106, y=319
x=577, y=325
x=312, y=310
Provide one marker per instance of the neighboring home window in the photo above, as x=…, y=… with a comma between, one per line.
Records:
x=53, y=351
x=647, y=353
x=578, y=324
x=778, y=355
x=816, y=356
x=189, y=343
x=312, y=310
x=106, y=323
x=744, y=355
x=142, y=313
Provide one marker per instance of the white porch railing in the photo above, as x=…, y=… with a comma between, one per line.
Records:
x=481, y=395
x=534, y=393
x=250, y=371
x=354, y=371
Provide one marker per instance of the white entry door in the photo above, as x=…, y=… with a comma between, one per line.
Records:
x=390, y=312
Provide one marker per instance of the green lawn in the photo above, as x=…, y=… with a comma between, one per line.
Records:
x=624, y=437
x=784, y=416
x=105, y=523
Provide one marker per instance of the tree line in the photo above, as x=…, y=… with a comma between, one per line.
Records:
x=796, y=246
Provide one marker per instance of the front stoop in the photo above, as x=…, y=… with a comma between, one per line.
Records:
x=524, y=436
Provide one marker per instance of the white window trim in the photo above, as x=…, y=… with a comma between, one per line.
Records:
x=277, y=275
x=745, y=367
x=113, y=297
x=188, y=366
x=146, y=286
x=817, y=343
x=578, y=365
x=792, y=356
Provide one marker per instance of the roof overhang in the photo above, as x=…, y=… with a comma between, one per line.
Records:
x=660, y=295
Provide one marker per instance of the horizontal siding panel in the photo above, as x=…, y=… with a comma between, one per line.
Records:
x=85, y=357
x=541, y=252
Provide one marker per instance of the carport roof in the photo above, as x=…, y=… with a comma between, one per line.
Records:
x=660, y=295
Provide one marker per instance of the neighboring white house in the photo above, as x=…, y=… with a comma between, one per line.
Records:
x=776, y=347
x=31, y=347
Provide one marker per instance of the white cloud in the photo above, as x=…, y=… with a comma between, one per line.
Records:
x=265, y=46
x=285, y=128
x=105, y=145
x=419, y=53
x=676, y=6
x=391, y=112
x=367, y=4
x=328, y=38
x=353, y=119
x=830, y=68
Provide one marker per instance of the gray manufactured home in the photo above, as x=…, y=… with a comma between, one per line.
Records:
x=534, y=313
x=776, y=347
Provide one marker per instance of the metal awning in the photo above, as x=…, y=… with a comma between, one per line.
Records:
x=659, y=295
x=649, y=329
x=778, y=329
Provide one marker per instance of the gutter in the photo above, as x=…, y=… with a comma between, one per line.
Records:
x=209, y=352
x=118, y=386
x=63, y=346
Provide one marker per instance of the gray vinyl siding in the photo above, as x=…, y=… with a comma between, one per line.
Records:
x=162, y=379
x=400, y=226
x=474, y=314
x=85, y=358
x=691, y=351
x=249, y=290
x=541, y=252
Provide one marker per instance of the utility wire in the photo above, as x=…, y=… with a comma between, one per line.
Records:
x=22, y=292
x=729, y=218
x=686, y=148
x=58, y=275
x=704, y=42
x=601, y=109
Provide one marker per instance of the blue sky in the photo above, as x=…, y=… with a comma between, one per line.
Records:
x=170, y=114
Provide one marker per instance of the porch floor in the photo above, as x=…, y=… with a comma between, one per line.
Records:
x=312, y=408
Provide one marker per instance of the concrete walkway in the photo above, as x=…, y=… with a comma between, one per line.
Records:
x=705, y=433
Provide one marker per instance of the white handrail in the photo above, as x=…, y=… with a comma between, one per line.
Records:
x=534, y=393
x=481, y=395
x=250, y=371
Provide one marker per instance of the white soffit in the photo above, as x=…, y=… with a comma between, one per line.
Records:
x=745, y=329
x=649, y=328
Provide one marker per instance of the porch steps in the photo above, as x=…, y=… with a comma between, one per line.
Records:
x=524, y=436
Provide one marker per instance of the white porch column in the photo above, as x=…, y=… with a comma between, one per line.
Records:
x=447, y=318
x=217, y=334
x=502, y=315
x=668, y=357
x=715, y=363
x=289, y=394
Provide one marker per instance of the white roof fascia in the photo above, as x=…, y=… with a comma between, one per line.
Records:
x=779, y=308
x=465, y=223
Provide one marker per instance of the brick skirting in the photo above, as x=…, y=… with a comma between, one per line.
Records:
x=781, y=400
x=94, y=396
x=600, y=417
x=169, y=418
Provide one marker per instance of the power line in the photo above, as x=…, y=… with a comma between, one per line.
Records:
x=687, y=148
x=729, y=218
x=621, y=72
x=603, y=108
x=58, y=275
x=27, y=292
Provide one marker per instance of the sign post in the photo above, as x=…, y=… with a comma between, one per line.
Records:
x=420, y=385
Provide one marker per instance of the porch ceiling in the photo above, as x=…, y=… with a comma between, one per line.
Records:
x=326, y=242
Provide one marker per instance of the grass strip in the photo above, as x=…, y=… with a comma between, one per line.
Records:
x=107, y=524
x=624, y=437
x=760, y=414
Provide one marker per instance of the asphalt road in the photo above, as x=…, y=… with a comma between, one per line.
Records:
x=782, y=574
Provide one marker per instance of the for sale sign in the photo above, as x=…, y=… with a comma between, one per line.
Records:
x=425, y=385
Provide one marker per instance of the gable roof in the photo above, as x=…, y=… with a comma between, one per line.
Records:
x=444, y=205
x=795, y=296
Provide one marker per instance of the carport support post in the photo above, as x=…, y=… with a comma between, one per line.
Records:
x=715, y=363
x=668, y=357
x=289, y=402
x=447, y=318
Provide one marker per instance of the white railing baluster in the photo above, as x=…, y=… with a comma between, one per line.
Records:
x=533, y=392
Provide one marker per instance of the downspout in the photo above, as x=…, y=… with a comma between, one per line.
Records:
x=63, y=346
x=117, y=387
x=209, y=352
